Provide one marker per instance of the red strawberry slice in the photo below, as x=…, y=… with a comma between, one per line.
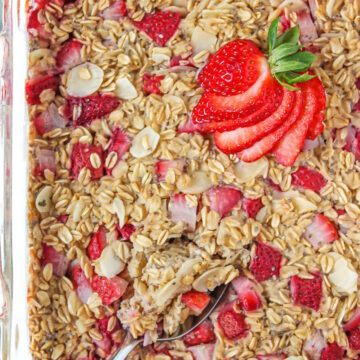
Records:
x=202, y=334
x=233, y=69
x=163, y=166
x=103, y=325
x=248, y=297
x=116, y=11
x=90, y=107
x=189, y=127
x=307, y=292
x=243, y=137
x=45, y=159
x=49, y=120
x=196, y=301
x=289, y=147
x=231, y=323
x=109, y=290
x=152, y=83
x=271, y=357
x=266, y=262
x=308, y=178
x=34, y=87
x=314, y=346
x=332, y=352
x=120, y=144
x=126, y=231
x=59, y=261
x=203, y=351
x=180, y=210
x=263, y=146
x=97, y=244
x=251, y=206
x=354, y=321
x=160, y=26
x=69, y=55
x=81, y=283
x=223, y=199
x=307, y=27
x=35, y=28
x=354, y=339
x=320, y=231
x=80, y=158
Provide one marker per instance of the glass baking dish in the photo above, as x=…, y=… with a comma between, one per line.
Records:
x=13, y=180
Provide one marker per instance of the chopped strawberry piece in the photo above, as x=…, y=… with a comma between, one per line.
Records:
x=266, y=262
x=308, y=178
x=80, y=158
x=126, y=231
x=45, y=159
x=271, y=357
x=152, y=83
x=248, y=296
x=59, y=261
x=284, y=21
x=81, y=283
x=354, y=339
x=180, y=210
x=340, y=212
x=120, y=144
x=35, y=28
x=244, y=137
x=180, y=61
x=34, y=87
x=63, y=218
x=314, y=346
x=196, y=301
x=116, y=11
x=321, y=231
x=203, y=351
x=231, y=323
x=308, y=31
x=49, y=120
x=276, y=187
x=223, y=199
x=163, y=166
x=352, y=142
x=307, y=292
x=313, y=8
x=189, y=127
x=332, y=352
x=103, y=323
x=104, y=344
x=251, y=206
x=160, y=26
x=97, y=244
x=69, y=55
x=109, y=290
x=202, y=334
x=354, y=321
x=84, y=110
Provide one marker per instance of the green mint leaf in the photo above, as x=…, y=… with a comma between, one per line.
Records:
x=289, y=65
x=290, y=36
x=272, y=34
x=293, y=78
x=282, y=83
x=283, y=51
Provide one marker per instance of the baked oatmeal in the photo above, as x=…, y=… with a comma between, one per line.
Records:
x=177, y=145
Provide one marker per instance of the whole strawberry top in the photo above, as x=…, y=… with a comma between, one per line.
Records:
x=256, y=105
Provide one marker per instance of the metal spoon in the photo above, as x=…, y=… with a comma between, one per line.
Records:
x=190, y=324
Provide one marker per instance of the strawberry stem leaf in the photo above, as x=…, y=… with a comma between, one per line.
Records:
x=293, y=78
x=283, y=51
x=285, y=84
x=272, y=34
x=290, y=36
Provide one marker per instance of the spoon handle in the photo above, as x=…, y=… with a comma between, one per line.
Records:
x=125, y=351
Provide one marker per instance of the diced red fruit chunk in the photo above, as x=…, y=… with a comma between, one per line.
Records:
x=63, y=218
x=59, y=261
x=160, y=26
x=248, y=296
x=180, y=210
x=276, y=187
x=104, y=344
x=313, y=8
x=332, y=352
x=49, y=120
x=223, y=199
x=90, y=108
x=103, y=324
x=307, y=292
x=314, y=346
x=152, y=83
x=34, y=87
x=308, y=178
x=109, y=290
x=116, y=11
x=202, y=352
x=196, y=301
x=126, y=231
x=232, y=324
x=251, y=206
x=233, y=69
x=284, y=21
x=321, y=231
x=307, y=27
x=163, y=166
x=34, y=26
x=354, y=339
x=189, y=127
x=352, y=142
x=69, y=55
x=266, y=262
x=354, y=321
x=81, y=283
x=80, y=158
x=271, y=357
x=202, y=334
x=340, y=212
x=97, y=244
x=180, y=61
x=120, y=144
x=45, y=159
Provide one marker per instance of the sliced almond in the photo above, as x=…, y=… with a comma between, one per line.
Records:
x=85, y=79
x=211, y=278
x=125, y=89
x=302, y=205
x=119, y=209
x=199, y=182
x=120, y=169
x=160, y=54
x=144, y=143
x=202, y=40
x=109, y=264
x=247, y=171
x=43, y=200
